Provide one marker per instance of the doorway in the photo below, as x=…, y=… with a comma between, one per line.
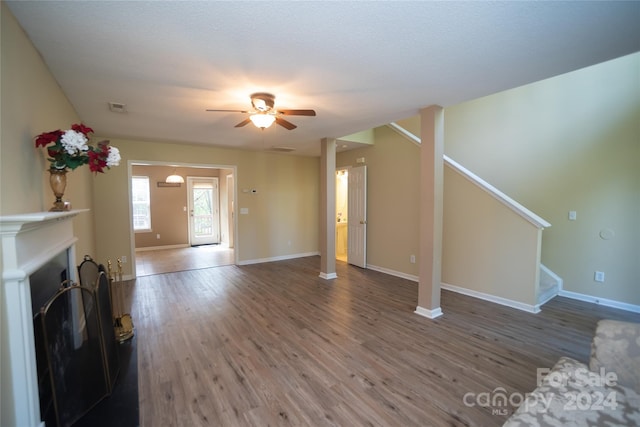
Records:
x=342, y=213
x=204, y=211
x=351, y=215
x=165, y=245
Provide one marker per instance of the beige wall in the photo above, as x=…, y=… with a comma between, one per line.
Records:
x=168, y=217
x=487, y=247
x=32, y=103
x=392, y=199
x=283, y=214
x=567, y=143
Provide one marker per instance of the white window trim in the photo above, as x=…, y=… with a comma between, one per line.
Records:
x=142, y=230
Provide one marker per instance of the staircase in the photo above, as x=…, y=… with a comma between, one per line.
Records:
x=481, y=256
x=550, y=285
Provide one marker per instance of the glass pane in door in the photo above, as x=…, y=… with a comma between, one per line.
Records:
x=203, y=212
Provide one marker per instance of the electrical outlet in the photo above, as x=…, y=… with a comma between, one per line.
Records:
x=599, y=276
x=158, y=236
x=412, y=259
x=123, y=258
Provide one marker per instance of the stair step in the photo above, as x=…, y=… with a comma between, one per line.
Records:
x=549, y=285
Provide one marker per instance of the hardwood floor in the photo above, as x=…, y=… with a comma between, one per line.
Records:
x=273, y=344
x=181, y=259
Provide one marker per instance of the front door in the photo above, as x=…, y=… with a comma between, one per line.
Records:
x=357, y=224
x=204, y=220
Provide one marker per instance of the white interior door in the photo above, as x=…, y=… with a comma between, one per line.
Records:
x=357, y=224
x=204, y=212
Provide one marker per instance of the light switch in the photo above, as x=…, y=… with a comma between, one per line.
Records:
x=572, y=215
x=244, y=211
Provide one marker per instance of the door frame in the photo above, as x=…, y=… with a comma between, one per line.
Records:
x=231, y=214
x=131, y=163
x=338, y=169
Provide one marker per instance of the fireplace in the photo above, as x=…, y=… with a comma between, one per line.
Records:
x=30, y=242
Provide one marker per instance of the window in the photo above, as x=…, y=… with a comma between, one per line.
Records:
x=141, y=202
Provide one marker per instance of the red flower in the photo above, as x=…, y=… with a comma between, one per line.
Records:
x=48, y=137
x=97, y=161
x=82, y=129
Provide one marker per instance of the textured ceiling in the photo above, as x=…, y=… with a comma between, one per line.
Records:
x=358, y=64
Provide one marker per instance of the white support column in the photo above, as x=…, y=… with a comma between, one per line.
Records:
x=328, y=209
x=431, y=208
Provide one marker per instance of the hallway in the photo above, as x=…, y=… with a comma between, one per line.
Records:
x=181, y=259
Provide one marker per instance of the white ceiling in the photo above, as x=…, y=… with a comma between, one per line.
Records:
x=358, y=64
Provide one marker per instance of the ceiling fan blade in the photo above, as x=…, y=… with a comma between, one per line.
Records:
x=285, y=124
x=243, y=123
x=228, y=111
x=297, y=112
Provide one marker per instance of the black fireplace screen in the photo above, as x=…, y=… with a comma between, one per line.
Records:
x=74, y=347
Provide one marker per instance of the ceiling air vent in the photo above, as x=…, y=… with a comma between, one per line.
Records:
x=117, y=107
x=283, y=149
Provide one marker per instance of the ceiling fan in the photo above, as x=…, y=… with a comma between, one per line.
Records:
x=264, y=114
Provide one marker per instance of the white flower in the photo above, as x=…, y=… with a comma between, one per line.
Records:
x=113, y=159
x=74, y=142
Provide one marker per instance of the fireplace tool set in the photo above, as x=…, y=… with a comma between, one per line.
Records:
x=122, y=321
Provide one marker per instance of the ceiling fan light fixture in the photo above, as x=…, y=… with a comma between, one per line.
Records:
x=264, y=114
x=262, y=121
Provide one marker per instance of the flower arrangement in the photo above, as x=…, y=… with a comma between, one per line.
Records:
x=70, y=149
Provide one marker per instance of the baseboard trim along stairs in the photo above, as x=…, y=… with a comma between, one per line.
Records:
x=550, y=285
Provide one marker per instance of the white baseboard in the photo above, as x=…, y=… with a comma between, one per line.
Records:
x=480, y=295
x=547, y=299
x=487, y=297
x=328, y=276
x=277, y=258
x=159, y=248
x=429, y=314
x=492, y=298
x=601, y=301
x=511, y=303
x=395, y=273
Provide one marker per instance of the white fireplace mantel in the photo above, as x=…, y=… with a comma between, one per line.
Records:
x=29, y=241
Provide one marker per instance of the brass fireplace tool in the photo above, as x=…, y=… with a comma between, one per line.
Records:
x=122, y=321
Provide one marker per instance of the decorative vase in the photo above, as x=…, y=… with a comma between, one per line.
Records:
x=58, y=182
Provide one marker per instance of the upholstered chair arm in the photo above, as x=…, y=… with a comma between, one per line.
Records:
x=616, y=348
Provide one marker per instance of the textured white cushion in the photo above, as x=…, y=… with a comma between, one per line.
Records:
x=573, y=396
x=616, y=348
